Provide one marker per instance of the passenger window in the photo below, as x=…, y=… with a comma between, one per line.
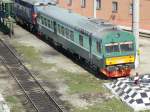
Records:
x=81, y=40
x=62, y=30
x=49, y=24
x=45, y=22
x=42, y=19
x=52, y=24
x=67, y=33
x=98, y=47
x=71, y=35
x=58, y=29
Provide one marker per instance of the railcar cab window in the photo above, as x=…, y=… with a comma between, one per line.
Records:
x=126, y=46
x=113, y=47
x=119, y=47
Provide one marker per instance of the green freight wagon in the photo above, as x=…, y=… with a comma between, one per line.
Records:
x=6, y=8
x=6, y=16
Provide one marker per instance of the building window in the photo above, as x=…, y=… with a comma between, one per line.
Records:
x=98, y=4
x=131, y=9
x=83, y=3
x=69, y=2
x=81, y=40
x=114, y=6
x=57, y=1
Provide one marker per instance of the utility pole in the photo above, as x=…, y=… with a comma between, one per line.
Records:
x=94, y=8
x=135, y=28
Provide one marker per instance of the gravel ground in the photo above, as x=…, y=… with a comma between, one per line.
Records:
x=48, y=54
x=11, y=92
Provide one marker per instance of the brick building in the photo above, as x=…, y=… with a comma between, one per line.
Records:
x=117, y=11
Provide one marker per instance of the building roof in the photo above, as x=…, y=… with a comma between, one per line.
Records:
x=91, y=26
x=37, y=2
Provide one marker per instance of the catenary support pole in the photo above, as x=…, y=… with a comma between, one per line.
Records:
x=135, y=28
x=94, y=8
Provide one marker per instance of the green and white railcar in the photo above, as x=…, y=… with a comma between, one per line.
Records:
x=102, y=44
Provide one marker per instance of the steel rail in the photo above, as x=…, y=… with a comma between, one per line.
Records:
x=20, y=62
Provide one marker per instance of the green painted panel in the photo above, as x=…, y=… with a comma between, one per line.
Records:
x=8, y=7
x=7, y=1
x=117, y=37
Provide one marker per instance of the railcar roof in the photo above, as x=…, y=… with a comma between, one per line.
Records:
x=37, y=2
x=6, y=1
x=95, y=27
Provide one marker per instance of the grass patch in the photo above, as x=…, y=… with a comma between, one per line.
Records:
x=28, y=52
x=112, y=105
x=31, y=55
x=14, y=104
x=83, y=83
x=86, y=83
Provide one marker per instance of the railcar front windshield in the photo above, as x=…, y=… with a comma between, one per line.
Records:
x=112, y=47
x=126, y=46
x=119, y=47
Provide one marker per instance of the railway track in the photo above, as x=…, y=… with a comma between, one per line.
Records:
x=147, y=35
x=142, y=34
x=35, y=93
